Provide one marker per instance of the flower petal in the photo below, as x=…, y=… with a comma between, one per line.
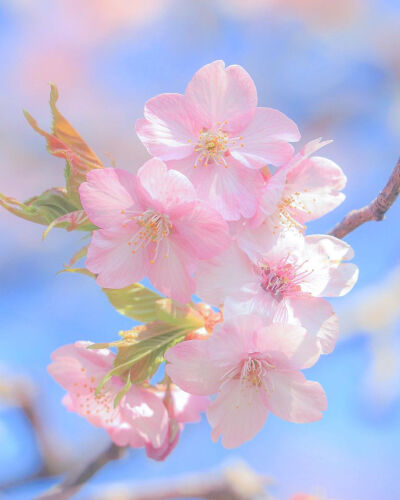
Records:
x=290, y=340
x=215, y=279
x=237, y=414
x=315, y=184
x=147, y=415
x=106, y=194
x=265, y=140
x=203, y=232
x=295, y=399
x=163, y=189
x=218, y=94
x=331, y=277
x=171, y=272
x=190, y=368
x=168, y=130
x=110, y=256
x=317, y=316
x=188, y=407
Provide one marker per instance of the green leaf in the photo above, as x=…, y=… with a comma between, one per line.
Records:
x=173, y=313
x=53, y=208
x=135, y=301
x=147, y=348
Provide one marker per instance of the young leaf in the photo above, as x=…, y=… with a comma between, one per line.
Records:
x=53, y=207
x=173, y=313
x=135, y=301
x=65, y=142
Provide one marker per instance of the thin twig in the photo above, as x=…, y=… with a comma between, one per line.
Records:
x=76, y=479
x=375, y=210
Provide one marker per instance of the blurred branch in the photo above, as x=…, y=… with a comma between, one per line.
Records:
x=375, y=210
x=235, y=482
x=77, y=478
x=21, y=393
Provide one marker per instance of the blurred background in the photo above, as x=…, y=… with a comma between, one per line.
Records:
x=333, y=67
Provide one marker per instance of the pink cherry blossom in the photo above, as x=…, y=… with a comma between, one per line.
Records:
x=304, y=189
x=140, y=418
x=151, y=225
x=218, y=137
x=182, y=408
x=255, y=369
x=286, y=283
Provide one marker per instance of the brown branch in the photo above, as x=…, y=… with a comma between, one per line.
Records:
x=54, y=458
x=77, y=478
x=375, y=210
x=236, y=482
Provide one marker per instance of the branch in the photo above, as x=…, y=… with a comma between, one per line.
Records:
x=76, y=479
x=235, y=482
x=54, y=458
x=375, y=210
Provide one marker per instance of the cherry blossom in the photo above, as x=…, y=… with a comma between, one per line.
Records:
x=286, y=283
x=140, y=418
x=152, y=225
x=254, y=368
x=304, y=189
x=217, y=136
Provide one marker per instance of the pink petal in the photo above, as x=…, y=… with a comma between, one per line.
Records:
x=261, y=239
x=190, y=368
x=265, y=140
x=215, y=279
x=80, y=370
x=315, y=184
x=69, y=360
x=110, y=256
x=232, y=191
x=106, y=194
x=188, y=407
x=218, y=94
x=290, y=340
x=167, y=447
x=237, y=414
x=171, y=271
x=168, y=131
x=295, y=399
x=316, y=315
x=331, y=277
x=147, y=415
x=250, y=299
x=203, y=231
x=165, y=190
x=233, y=339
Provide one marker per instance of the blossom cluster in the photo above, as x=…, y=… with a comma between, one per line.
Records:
x=219, y=214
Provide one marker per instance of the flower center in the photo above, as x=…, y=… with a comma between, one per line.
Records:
x=213, y=147
x=154, y=228
x=254, y=370
x=288, y=208
x=282, y=279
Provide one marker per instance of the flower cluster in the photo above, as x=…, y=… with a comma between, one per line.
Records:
x=218, y=212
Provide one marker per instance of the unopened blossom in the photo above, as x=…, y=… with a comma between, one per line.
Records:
x=151, y=225
x=217, y=136
x=286, y=283
x=304, y=189
x=254, y=368
x=140, y=419
x=183, y=408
